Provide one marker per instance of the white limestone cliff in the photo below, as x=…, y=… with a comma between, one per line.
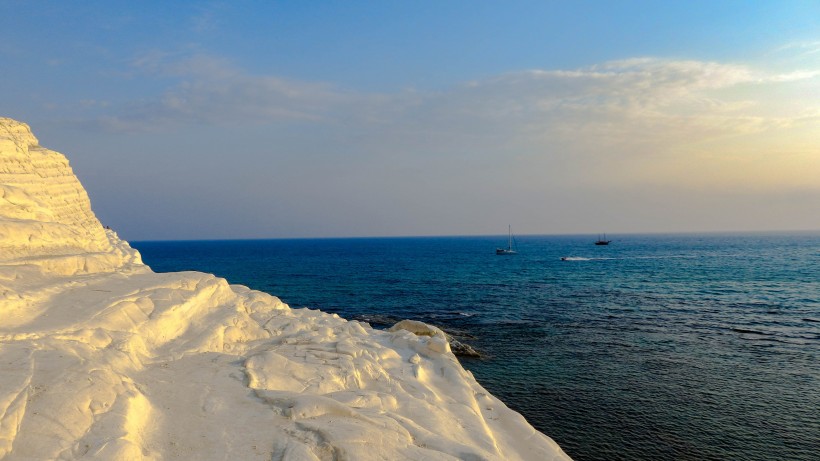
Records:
x=45, y=214
x=101, y=358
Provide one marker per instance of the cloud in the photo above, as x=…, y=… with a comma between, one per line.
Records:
x=794, y=76
x=640, y=121
x=632, y=102
x=557, y=147
x=634, y=87
x=211, y=91
x=615, y=96
x=630, y=120
x=206, y=18
x=801, y=49
x=642, y=92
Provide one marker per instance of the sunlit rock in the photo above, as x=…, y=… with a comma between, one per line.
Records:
x=104, y=359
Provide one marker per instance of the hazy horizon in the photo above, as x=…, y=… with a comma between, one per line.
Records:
x=613, y=237
x=220, y=120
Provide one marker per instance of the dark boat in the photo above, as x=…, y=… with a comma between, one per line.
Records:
x=602, y=241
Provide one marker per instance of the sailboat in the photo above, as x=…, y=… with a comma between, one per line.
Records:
x=602, y=241
x=509, y=250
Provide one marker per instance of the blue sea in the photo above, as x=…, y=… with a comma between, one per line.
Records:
x=656, y=347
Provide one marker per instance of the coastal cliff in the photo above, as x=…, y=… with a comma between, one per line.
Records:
x=104, y=359
x=45, y=214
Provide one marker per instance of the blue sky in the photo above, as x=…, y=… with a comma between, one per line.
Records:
x=305, y=119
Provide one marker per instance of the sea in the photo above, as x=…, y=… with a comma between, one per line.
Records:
x=654, y=347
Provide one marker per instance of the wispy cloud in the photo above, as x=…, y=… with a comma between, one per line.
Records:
x=206, y=18
x=642, y=112
x=793, y=76
x=212, y=91
x=805, y=48
x=621, y=139
x=626, y=101
x=646, y=91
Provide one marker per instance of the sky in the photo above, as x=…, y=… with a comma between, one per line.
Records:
x=273, y=119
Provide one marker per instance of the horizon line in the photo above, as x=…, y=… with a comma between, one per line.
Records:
x=658, y=233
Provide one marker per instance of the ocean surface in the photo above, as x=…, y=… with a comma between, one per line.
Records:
x=656, y=347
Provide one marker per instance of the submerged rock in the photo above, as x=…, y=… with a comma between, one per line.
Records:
x=422, y=329
x=463, y=350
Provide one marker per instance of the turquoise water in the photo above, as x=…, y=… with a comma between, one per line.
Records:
x=654, y=347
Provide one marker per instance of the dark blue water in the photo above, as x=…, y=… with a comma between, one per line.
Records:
x=655, y=347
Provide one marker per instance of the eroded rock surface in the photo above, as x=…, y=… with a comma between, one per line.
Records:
x=103, y=359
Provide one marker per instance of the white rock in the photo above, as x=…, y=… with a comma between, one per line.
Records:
x=103, y=359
